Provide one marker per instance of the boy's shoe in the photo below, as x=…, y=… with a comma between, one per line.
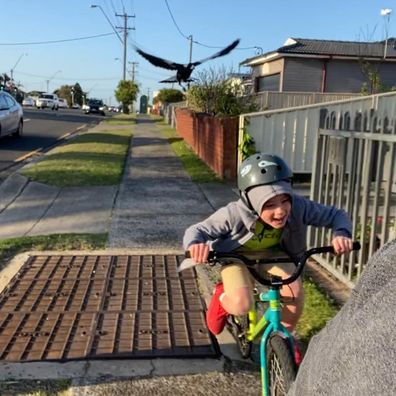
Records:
x=297, y=354
x=216, y=315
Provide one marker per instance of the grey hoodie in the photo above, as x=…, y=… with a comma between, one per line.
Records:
x=233, y=225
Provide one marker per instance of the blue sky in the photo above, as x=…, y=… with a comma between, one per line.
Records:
x=212, y=23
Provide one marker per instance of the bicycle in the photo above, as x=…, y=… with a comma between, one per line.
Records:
x=277, y=360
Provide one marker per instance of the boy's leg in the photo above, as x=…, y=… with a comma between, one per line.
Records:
x=238, y=289
x=233, y=296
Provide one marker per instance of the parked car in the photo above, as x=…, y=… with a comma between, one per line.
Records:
x=94, y=106
x=28, y=102
x=11, y=115
x=76, y=106
x=47, y=100
x=62, y=103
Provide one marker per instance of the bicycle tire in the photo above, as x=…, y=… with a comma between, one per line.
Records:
x=281, y=367
x=238, y=326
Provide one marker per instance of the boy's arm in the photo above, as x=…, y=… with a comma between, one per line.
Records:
x=320, y=215
x=214, y=227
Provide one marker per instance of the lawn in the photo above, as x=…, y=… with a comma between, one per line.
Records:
x=89, y=159
x=13, y=246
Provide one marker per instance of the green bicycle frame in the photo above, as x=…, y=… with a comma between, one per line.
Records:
x=270, y=322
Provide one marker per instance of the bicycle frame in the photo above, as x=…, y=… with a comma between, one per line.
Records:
x=270, y=322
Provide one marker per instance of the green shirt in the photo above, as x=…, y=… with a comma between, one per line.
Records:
x=263, y=238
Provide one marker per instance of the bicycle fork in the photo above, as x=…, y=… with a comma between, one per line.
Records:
x=272, y=318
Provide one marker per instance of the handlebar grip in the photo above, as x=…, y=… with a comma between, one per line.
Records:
x=211, y=254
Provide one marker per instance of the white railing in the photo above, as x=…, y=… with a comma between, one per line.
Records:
x=271, y=100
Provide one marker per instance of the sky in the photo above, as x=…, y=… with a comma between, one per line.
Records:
x=88, y=51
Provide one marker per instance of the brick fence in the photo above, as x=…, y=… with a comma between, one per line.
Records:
x=213, y=139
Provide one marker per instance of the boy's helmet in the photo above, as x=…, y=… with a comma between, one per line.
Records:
x=261, y=177
x=260, y=169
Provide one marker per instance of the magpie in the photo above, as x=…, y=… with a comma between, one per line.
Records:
x=183, y=71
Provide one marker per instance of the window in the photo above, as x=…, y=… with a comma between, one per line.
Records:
x=268, y=83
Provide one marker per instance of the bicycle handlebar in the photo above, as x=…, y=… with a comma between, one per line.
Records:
x=219, y=257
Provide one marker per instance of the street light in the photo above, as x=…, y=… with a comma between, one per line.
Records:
x=51, y=78
x=386, y=12
x=12, y=70
x=108, y=20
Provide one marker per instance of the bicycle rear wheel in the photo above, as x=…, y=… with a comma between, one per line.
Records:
x=238, y=326
x=280, y=366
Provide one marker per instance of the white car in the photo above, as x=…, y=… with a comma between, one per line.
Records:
x=47, y=100
x=62, y=103
x=11, y=116
x=28, y=101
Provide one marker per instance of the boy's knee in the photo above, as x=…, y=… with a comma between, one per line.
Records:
x=241, y=303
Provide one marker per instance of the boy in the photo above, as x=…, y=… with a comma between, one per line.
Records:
x=268, y=216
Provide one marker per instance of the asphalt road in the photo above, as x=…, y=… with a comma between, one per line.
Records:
x=42, y=129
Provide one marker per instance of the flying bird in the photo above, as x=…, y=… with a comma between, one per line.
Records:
x=183, y=71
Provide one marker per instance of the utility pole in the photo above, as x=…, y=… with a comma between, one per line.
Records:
x=190, y=58
x=125, y=28
x=134, y=64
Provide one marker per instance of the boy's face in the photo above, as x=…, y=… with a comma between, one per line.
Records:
x=276, y=211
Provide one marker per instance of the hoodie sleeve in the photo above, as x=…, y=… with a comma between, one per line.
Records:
x=214, y=227
x=320, y=215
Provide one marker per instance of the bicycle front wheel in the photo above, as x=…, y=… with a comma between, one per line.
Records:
x=281, y=368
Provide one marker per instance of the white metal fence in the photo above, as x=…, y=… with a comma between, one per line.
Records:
x=349, y=147
x=271, y=100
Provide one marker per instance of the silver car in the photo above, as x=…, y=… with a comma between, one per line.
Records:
x=11, y=115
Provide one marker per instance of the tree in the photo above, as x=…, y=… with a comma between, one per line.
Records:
x=126, y=93
x=216, y=93
x=167, y=95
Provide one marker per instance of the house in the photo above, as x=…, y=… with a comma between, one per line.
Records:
x=325, y=66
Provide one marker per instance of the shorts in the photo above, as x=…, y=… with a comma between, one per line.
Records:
x=236, y=276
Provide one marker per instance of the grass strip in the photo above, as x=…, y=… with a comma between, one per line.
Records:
x=36, y=387
x=318, y=310
x=13, y=246
x=94, y=158
x=195, y=167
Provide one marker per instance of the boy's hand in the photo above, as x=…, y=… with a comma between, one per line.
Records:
x=342, y=244
x=199, y=252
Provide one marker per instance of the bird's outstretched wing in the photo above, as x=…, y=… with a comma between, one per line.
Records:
x=174, y=79
x=159, y=62
x=223, y=52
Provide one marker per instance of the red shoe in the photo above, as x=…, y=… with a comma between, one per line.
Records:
x=297, y=354
x=216, y=315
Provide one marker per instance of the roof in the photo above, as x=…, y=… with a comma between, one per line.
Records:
x=354, y=49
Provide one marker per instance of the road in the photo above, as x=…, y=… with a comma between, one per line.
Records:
x=42, y=129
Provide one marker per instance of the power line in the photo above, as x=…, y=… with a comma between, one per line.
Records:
x=60, y=41
x=173, y=19
x=194, y=41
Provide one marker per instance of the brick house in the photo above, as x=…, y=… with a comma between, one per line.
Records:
x=325, y=66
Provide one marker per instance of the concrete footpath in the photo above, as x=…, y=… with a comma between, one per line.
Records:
x=147, y=212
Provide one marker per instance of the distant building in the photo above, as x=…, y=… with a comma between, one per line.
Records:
x=326, y=66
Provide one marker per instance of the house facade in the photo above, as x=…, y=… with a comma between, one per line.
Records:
x=305, y=65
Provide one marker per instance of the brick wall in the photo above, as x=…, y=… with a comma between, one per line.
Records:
x=213, y=139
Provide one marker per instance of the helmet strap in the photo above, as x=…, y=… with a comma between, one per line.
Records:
x=245, y=198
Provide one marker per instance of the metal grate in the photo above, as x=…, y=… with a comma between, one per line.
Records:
x=87, y=307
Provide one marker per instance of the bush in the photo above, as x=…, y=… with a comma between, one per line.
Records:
x=215, y=93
